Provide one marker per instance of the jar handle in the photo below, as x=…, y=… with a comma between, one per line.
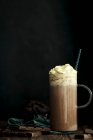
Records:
x=90, y=97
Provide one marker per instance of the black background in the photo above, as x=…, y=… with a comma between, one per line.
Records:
x=34, y=37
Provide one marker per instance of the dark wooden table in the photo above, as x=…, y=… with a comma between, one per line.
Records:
x=40, y=138
x=31, y=133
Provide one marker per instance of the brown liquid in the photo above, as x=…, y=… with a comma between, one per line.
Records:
x=63, y=106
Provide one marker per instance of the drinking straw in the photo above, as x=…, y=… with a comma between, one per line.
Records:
x=78, y=58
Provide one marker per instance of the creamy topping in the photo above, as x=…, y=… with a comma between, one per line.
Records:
x=63, y=75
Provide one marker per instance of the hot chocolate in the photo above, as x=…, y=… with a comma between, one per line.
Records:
x=63, y=98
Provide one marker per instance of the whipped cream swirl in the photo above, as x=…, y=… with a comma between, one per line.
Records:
x=63, y=75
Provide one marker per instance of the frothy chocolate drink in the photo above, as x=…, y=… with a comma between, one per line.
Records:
x=63, y=98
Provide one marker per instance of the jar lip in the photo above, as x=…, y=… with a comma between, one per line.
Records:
x=63, y=85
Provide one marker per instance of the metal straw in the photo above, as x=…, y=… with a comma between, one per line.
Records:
x=78, y=58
